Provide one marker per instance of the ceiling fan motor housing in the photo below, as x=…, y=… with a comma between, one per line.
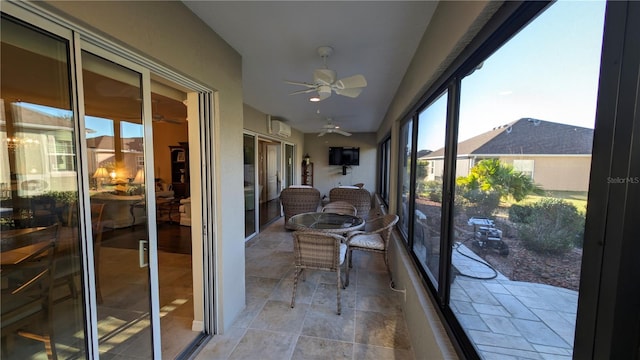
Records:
x=324, y=91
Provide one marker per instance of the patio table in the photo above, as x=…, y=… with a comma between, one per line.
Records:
x=327, y=222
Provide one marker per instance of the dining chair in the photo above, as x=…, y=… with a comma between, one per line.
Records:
x=360, y=198
x=340, y=207
x=298, y=200
x=374, y=238
x=68, y=263
x=318, y=251
x=27, y=297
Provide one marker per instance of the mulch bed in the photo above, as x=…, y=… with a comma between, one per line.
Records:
x=525, y=265
x=521, y=264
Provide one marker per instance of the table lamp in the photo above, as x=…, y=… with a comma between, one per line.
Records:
x=100, y=174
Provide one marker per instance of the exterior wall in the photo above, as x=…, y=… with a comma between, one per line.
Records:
x=570, y=173
x=327, y=177
x=166, y=31
x=563, y=173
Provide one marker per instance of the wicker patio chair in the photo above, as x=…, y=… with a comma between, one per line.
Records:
x=360, y=198
x=340, y=207
x=375, y=238
x=318, y=251
x=298, y=200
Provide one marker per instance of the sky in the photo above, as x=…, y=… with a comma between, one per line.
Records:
x=548, y=71
x=95, y=126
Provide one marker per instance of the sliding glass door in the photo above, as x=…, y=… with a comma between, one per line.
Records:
x=116, y=139
x=39, y=196
x=250, y=198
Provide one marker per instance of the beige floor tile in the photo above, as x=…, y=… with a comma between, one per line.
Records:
x=386, y=330
x=323, y=322
x=309, y=348
x=264, y=345
x=279, y=316
x=221, y=346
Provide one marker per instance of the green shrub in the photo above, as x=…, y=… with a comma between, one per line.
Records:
x=551, y=226
x=519, y=213
x=477, y=202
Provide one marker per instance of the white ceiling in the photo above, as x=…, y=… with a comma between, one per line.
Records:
x=279, y=40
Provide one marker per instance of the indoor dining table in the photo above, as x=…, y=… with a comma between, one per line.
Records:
x=18, y=244
x=326, y=222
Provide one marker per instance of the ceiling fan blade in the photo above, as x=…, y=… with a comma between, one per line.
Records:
x=300, y=83
x=355, y=81
x=173, y=121
x=322, y=133
x=352, y=92
x=341, y=132
x=324, y=76
x=305, y=91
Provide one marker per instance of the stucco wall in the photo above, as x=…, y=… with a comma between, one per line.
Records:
x=256, y=121
x=170, y=34
x=567, y=173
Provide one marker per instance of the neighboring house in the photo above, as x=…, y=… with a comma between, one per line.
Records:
x=556, y=156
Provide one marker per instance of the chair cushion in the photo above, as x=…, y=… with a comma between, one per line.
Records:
x=343, y=252
x=369, y=241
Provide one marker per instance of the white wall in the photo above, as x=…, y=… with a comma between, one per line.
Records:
x=169, y=33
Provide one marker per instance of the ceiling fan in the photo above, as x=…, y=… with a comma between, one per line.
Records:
x=331, y=128
x=159, y=117
x=325, y=81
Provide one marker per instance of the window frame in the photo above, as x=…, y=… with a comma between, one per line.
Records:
x=508, y=21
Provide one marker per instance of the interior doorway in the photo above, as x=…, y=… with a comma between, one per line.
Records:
x=269, y=179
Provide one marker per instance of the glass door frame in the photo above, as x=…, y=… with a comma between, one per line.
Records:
x=81, y=38
x=282, y=168
x=150, y=199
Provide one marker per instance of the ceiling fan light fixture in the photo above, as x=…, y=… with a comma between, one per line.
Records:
x=324, y=91
x=314, y=98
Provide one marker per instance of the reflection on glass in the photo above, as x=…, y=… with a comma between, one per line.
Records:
x=428, y=199
x=524, y=156
x=115, y=141
x=405, y=176
x=42, y=309
x=249, y=185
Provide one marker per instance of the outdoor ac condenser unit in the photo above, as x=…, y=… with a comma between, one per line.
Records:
x=281, y=129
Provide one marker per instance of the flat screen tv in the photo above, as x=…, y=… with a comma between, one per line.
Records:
x=344, y=156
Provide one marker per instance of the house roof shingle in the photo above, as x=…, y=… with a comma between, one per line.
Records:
x=527, y=136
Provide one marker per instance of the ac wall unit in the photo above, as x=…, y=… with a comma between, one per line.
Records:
x=281, y=129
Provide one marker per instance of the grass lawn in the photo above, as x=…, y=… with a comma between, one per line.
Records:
x=577, y=198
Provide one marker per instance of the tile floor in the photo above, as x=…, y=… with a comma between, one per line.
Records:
x=371, y=326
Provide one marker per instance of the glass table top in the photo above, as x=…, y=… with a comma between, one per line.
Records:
x=329, y=222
